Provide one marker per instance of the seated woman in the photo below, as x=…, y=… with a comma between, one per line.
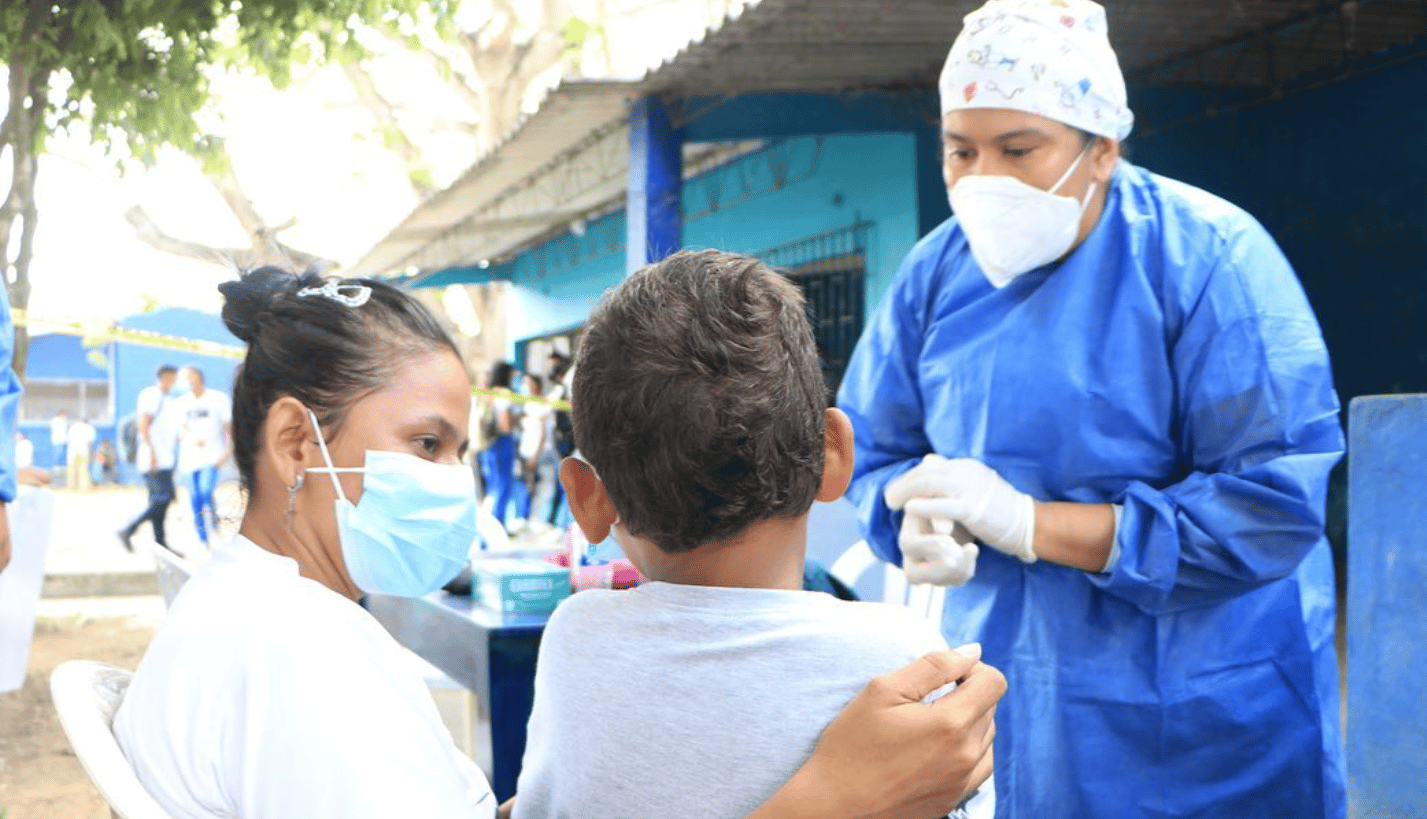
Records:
x=270, y=693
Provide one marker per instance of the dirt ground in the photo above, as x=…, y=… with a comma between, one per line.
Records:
x=40, y=778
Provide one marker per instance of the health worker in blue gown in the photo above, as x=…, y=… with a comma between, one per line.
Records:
x=1096, y=403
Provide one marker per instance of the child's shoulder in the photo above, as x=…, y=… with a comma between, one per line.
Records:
x=590, y=609
x=817, y=622
x=897, y=626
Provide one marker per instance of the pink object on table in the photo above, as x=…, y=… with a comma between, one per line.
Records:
x=617, y=574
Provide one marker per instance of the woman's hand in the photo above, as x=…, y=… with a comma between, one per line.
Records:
x=888, y=755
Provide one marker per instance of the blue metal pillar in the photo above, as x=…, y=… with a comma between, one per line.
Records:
x=655, y=207
x=1387, y=608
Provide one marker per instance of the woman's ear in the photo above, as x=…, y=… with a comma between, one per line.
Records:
x=1104, y=154
x=838, y=455
x=287, y=438
x=589, y=502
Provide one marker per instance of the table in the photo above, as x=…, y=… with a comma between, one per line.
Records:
x=489, y=652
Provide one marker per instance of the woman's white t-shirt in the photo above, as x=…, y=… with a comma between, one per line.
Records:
x=203, y=439
x=266, y=695
x=533, y=438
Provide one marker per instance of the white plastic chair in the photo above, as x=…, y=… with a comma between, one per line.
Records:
x=22, y=582
x=86, y=695
x=172, y=572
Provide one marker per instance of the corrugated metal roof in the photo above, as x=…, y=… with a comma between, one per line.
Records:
x=834, y=45
x=466, y=223
x=571, y=157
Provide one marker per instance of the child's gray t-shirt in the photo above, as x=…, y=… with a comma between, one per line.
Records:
x=696, y=701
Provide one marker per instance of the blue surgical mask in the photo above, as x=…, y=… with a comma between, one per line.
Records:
x=411, y=531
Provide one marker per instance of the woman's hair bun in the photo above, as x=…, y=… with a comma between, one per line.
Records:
x=247, y=299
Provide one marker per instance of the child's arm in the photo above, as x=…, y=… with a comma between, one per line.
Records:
x=507, y=809
x=890, y=756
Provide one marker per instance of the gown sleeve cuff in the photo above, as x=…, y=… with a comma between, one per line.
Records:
x=1114, y=559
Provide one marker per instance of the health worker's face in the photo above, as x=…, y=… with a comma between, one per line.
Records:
x=1028, y=147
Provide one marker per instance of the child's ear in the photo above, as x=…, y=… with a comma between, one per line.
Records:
x=838, y=454
x=589, y=502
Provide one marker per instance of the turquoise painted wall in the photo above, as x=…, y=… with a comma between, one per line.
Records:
x=826, y=183
x=789, y=191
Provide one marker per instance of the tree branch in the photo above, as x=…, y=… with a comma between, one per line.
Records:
x=395, y=138
x=151, y=234
x=268, y=252
x=265, y=247
x=471, y=92
x=226, y=183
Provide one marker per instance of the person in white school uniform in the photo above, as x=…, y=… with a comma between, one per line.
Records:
x=157, y=420
x=206, y=416
x=269, y=693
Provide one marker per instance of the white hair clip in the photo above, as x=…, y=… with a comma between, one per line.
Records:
x=352, y=295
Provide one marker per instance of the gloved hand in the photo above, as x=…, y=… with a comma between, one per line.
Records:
x=936, y=551
x=970, y=493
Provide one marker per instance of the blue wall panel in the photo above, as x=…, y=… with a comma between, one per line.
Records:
x=808, y=186
x=1387, y=615
x=38, y=432
x=792, y=114
x=789, y=191
x=61, y=357
x=556, y=284
x=1338, y=176
x=134, y=365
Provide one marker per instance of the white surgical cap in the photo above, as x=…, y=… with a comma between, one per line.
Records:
x=1047, y=57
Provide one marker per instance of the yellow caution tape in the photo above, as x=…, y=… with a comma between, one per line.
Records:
x=511, y=395
x=94, y=335
x=97, y=334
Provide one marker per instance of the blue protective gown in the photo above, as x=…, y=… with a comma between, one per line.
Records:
x=1170, y=364
x=9, y=401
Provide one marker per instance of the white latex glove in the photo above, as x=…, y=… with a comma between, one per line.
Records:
x=936, y=551
x=973, y=495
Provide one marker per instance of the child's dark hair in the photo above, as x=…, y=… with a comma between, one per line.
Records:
x=317, y=349
x=698, y=399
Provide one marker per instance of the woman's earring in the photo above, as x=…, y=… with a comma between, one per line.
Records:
x=292, y=500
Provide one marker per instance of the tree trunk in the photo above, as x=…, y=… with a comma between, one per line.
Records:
x=506, y=66
x=28, y=105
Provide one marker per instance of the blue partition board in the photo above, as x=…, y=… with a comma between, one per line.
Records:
x=1387, y=607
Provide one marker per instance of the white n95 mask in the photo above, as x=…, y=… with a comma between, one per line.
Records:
x=1014, y=228
x=411, y=531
